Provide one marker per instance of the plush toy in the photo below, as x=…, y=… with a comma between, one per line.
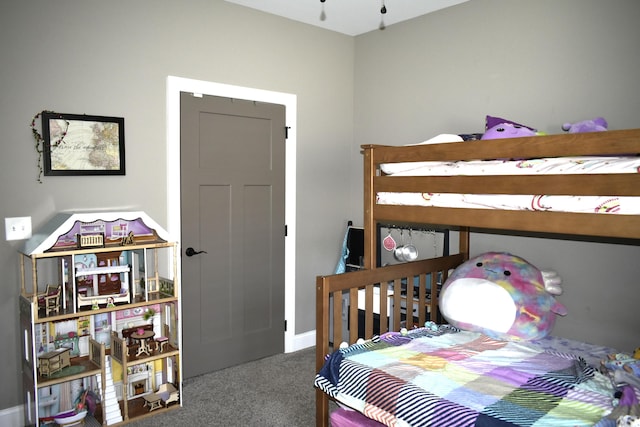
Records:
x=596, y=125
x=491, y=121
x=502, y=296
x=622, y=361
x=624, y=368
x=507, y=130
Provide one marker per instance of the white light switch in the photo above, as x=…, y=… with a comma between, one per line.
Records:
x=17, y=228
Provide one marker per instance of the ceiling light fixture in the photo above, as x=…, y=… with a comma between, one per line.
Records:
x=383, y=11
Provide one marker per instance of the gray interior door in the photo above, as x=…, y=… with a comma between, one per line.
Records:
x=232, y=209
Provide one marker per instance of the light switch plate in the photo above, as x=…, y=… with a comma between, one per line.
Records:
x=17, y=228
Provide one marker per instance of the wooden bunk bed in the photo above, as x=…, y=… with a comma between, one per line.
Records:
x=377, y=291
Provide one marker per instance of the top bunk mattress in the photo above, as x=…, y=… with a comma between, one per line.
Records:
x=544, y=166
x=583, y=165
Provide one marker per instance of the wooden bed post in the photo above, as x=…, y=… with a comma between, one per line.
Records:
x=369, y=202
x=322, y=349
x=464, y=242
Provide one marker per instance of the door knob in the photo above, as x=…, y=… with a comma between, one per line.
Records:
x=191, y=252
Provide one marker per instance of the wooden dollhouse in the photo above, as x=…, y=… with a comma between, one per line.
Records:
x=115, y=274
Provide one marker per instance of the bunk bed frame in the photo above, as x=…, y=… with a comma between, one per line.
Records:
x=357, y=288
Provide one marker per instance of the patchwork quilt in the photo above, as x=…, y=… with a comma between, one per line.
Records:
x=446, y=377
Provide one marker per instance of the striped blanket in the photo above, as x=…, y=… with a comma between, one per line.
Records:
x=457, y=378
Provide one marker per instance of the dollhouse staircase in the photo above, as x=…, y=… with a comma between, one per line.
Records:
x=112, y=411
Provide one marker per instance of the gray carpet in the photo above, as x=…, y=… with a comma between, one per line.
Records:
x=271, y=392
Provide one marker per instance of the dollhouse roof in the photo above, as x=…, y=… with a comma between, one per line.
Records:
x=60, y=231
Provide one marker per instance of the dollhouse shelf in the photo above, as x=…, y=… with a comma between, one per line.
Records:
x=107, y=288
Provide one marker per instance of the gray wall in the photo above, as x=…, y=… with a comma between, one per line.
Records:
x=112, y=58
x=541, y=63
x=548, y=62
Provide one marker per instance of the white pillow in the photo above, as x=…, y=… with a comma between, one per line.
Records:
x=392, y=168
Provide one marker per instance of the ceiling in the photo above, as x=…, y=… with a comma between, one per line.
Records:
x=351, y=17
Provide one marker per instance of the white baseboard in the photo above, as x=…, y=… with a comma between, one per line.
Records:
x=12, y=416
x=304, y=340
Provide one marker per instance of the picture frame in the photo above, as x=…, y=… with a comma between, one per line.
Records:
x=75, y=144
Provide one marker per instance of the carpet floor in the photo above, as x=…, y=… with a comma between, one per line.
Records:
x=272, y=392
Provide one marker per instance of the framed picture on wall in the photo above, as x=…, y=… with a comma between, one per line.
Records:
x=77, y=144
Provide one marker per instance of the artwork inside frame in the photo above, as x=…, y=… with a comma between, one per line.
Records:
x=76, y=144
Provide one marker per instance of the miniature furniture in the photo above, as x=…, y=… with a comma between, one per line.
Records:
x=152, y=401
x=126, y=332
x=167, y=393
x=162, y=341
x=109, y=283
x=102, y=284
x=50, y=299
x=70, y=418
x=143, y=339
x=54, y=361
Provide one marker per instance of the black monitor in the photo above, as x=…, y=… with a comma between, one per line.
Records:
x=355, y=246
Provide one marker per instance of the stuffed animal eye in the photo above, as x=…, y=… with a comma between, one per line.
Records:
x=507, y=273
x=500, y=130
x=478, y=264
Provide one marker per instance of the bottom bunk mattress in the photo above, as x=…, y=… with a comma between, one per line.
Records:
x=441, y=376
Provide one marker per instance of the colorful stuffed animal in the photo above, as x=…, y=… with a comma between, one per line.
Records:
x=598, y=124
x=622, y=361
x=502, y=296
x=624, y=368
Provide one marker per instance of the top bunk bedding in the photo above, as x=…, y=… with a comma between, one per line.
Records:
x=540, y=166
x=590, y=173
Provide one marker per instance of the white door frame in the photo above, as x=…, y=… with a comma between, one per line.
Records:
x=175, y=85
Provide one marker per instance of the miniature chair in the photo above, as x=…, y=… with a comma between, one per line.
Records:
x=167, y=393
x=50, y=298
x=162, y=341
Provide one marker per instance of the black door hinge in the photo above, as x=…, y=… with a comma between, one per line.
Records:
x=286, y=230
x=286, y=132
x=285, y=326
